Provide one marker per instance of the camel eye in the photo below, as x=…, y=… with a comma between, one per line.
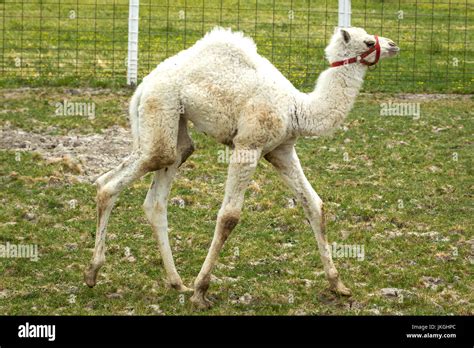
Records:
x=369, y=43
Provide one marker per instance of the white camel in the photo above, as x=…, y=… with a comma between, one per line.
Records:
x=231, y=93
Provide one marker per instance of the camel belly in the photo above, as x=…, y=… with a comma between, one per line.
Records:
x=220, y=126
x=214, y=114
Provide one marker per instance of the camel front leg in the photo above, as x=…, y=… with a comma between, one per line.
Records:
x=286, y=162
x=240, y=173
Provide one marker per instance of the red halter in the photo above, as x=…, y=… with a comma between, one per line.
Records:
x=360, y=59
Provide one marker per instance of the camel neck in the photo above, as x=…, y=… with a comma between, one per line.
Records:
x=325, y=108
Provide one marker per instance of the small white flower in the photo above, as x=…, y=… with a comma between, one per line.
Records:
x=72, y=299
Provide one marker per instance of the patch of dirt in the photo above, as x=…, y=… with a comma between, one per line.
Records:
x=96, y=153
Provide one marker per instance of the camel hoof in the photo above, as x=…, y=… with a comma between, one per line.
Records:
x=339, y=288
x=90, y=277
x=200, y=301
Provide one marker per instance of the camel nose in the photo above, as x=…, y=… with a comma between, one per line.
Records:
x=392, y=44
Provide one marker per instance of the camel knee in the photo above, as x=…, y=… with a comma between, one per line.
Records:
x=228, y=219
x=316, y=203
x=104, y=195
x=100, y=182
x=315, y=206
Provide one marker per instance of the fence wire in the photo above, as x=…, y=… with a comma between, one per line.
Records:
x=84, y=42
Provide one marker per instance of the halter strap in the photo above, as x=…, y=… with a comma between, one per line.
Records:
x=360, y=58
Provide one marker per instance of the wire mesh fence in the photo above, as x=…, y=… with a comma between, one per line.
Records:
x=84, y=42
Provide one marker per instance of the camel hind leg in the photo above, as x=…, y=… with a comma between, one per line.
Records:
x=109, y=187
x=157, y=149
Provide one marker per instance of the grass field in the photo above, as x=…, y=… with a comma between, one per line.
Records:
x=398, y=186
x=84, y=42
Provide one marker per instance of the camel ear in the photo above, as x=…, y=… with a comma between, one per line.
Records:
x=345, y=35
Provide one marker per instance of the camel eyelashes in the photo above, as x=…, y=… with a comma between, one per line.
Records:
x=369, y=43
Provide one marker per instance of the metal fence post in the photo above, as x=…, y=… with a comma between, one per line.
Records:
x=132, y=62
x=344, y=13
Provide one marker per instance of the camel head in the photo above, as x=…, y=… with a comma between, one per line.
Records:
x=349, y=43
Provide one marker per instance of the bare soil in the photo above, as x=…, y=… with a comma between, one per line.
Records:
x=92, y=154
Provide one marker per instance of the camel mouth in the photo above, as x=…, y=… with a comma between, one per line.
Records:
x=393, y=51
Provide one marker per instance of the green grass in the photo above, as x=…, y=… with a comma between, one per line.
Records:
x=42, y=44
x=390, y=159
